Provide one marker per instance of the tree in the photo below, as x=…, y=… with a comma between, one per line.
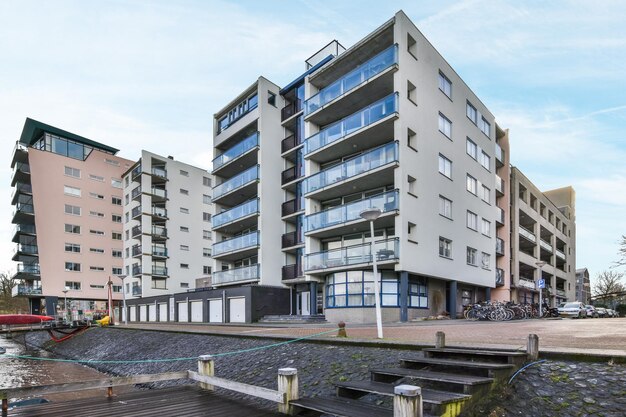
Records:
x=8, y=303
x=622, y=252
x=608, y=285
x=6, y=285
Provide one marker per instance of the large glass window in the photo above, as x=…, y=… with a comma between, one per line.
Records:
x=445, y=247
x=418, y=293
x=445, y=126
x=445, y=166
x=472, y=149
x=65, y=147
x=445, y=207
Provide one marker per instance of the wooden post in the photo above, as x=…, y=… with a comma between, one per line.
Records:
x=533, y=347
x=440, y=340
x=206, y=366
x=110, y=392
x=288, y=384
x=341, y=332
x=5, y=403
x=407, y=401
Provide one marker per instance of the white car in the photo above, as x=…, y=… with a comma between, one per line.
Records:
x=575, y=309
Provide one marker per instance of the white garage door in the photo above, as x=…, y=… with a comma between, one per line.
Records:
x=133, y=313
x=196, y=311
x=152, y=312
x=237, y=310
x=183, y=313
x=143, y=313
x=163, y=312
x=215, y=311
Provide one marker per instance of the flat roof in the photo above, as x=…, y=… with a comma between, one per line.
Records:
x=33, y=130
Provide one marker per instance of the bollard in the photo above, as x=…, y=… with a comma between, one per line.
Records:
x=288, y=384
x=533, y=347
x=440, y=340
x=109, y=392
x=407, y=401
x=206, y=367
x=342, y=329
x=5, y=404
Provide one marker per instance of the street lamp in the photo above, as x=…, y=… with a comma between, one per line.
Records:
x=65, y=302
x=370, y=215
x=124, y=297
x=540, y=265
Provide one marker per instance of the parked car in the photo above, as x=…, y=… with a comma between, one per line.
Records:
x=610, y=312
x=591, y=311
x=575, y=309
x=602, y=313
x=560, y=307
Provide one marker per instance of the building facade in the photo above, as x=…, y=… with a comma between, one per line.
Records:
x=68, y=220
x=583, y=286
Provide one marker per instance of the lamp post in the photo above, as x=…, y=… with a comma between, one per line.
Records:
x=125, y=318
x=65, y=302
x=370, y=215
x=540, y=265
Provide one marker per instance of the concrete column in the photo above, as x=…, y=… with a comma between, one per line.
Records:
x=313, y=297
x=452, y=286
x=206, y=366
x=404, y=296
x=533, y=347
x=288, y=384
x=407, y=401
x=487, y=294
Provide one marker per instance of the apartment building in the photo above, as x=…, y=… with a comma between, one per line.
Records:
x=167, y=227
x=583, y=286
x=68, y=219
x=543, y=230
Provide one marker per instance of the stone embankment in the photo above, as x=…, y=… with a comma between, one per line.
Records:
x=553, y=388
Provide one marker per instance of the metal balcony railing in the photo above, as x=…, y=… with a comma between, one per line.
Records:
x=499, y=246
x=290, y=207
x=26, y=249
x=135, y=192
x=25, y=228
x=24, y=208
x=292, y=271
x=159, y=270
x=499, y=185
x=290, y=239
x=136, y=231
x=245, y=273
x=499, y=277
x=290, y=142
x=291, y=174
x=136, y=250
x=290, y=109
x=385, y=250
x=135, y=212
x=500, y=215
x=137, y=270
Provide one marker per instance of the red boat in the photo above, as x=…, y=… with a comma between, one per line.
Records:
x=23, y=319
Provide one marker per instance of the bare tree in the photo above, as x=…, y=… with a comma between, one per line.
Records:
x=622, y=252
x=607, y=285
x=6, y=285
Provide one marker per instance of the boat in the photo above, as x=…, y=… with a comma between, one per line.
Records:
x=23, y=319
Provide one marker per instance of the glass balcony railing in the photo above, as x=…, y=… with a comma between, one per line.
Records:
x=28, y=269
x=137, y=290
x=159, y=251
x=236, y=151
x=135, y=192
x=25, y=228
x=136, y=231
x=237, y=212
x=387, y=201
x=22, y=289
x=527, y=234
x=136, y=270
x=385, y=250
x=159, y=211
x=499, y=185
x=136, y=250
x=353, y=123
x=136, y=211
x=245, y=273
x=365, y=162
x=136, y=172
x=499, y=246
x=236, y=243
x=159, y=270
x=500, y=215
x=24, y=208
x=26, y=249
x=158, y=192
x=545, y=245
x=21, y=167
x=21, y=188
x=353, y=79
x=559, y=253
x=238, y=181
x=159, y=172
x=499, y=153
x=159, y=231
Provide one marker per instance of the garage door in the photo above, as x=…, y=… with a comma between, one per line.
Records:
x=183, y=313
x=196, y=311
x=152, y=312
x=143, y=313
x=133, y=313
x=215, y=311
x=163, y=312
x=237, y=310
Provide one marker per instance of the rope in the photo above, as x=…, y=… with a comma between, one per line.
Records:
x=234, y=352
x=524, y=367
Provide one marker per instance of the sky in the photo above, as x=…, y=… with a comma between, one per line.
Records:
x=150, y=75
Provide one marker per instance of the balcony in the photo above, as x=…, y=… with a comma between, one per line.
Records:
x=291, y=207
x=29, y=269
x=159, y=212
x=135, y=212
x=499, y=247
x=292, y=271
x=290, y=142
x=499, y=186
x=136, y=231
x=290, y=110
x=244, y=182
x=20, y=154
x=26, y=249
x=158, y=193
x=387, y=251
x=159, y=251
x=26, y=291
x=20, y=189
x=559, y=254
x=291, y=239
x=136, y=250
x=242, y=152
x=500, y=216
x=340, y=219
x=499, y=156
x=136, y=192
x=561, y=293
x=291, y=174
x=237, y=275
x=366, y=75
x=364, y=129
x=237, y=247
x=23, y=213
x=137, y=270
x=135, y=172
x=499, y=277
x=355, y=174
x=23, y=230
x=136, y=290
x=241, y=216
x=159, y=232
x=526, y=283
x=545, y=245
x=21, y=173
x=527, y=234
x=159, y=270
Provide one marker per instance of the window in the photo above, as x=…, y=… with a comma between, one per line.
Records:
x=96, y=196
x=112, y=162
x=206, y=234
x=126, y=217
x=184, y=173
x=445, y=247
x=486, y=260
x=96, y=286
x=206, y=252
x=356, y=288
x=96, y=178
x=116, y=271
x=184, y=266
x=73, y=210
x=95, y=213
x=184, y=247
x=206, y=217
x=445, y=166
x=73, y=191
x=206, y=181
x=72, y=285
x=418, y=293
x=471, y=112
x=206, y=270
x=411, y=45
x=96, y=268
x=184, y=210
x=271, y=98
x=72, y=228
x=116, y=201
x=96, y=250
x=126, y=199
x=445, y=207
x=471, y=256
x=486, y=227
x=184, y=285
x=126, y=181
x=72, y=247
x=184, y=192
x=116, y=253
x=116, y=236
x=72, y=172
x=411, y=139
x=72, y=267
x=96, y=232
x=472, y=149
x=471, y=184
x=184, y=229
x=206, y=199
x=411, y=92
x=485, y=160
x=445, y=85
x=117, y=288
x=485, y=127
x=472, y=220
x=116, y=218
x=486, y=194
x=116, y=183
x=445, y=126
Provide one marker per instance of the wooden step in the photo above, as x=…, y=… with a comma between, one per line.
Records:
x=512, y=357
x=370, y=387
x=466, y=384
x=342, y=407
x=468, y=366
x=457, y=363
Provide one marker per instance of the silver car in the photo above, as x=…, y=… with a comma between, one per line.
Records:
x=575, y=309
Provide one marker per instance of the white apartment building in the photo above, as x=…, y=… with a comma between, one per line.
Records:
x=167, y=226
